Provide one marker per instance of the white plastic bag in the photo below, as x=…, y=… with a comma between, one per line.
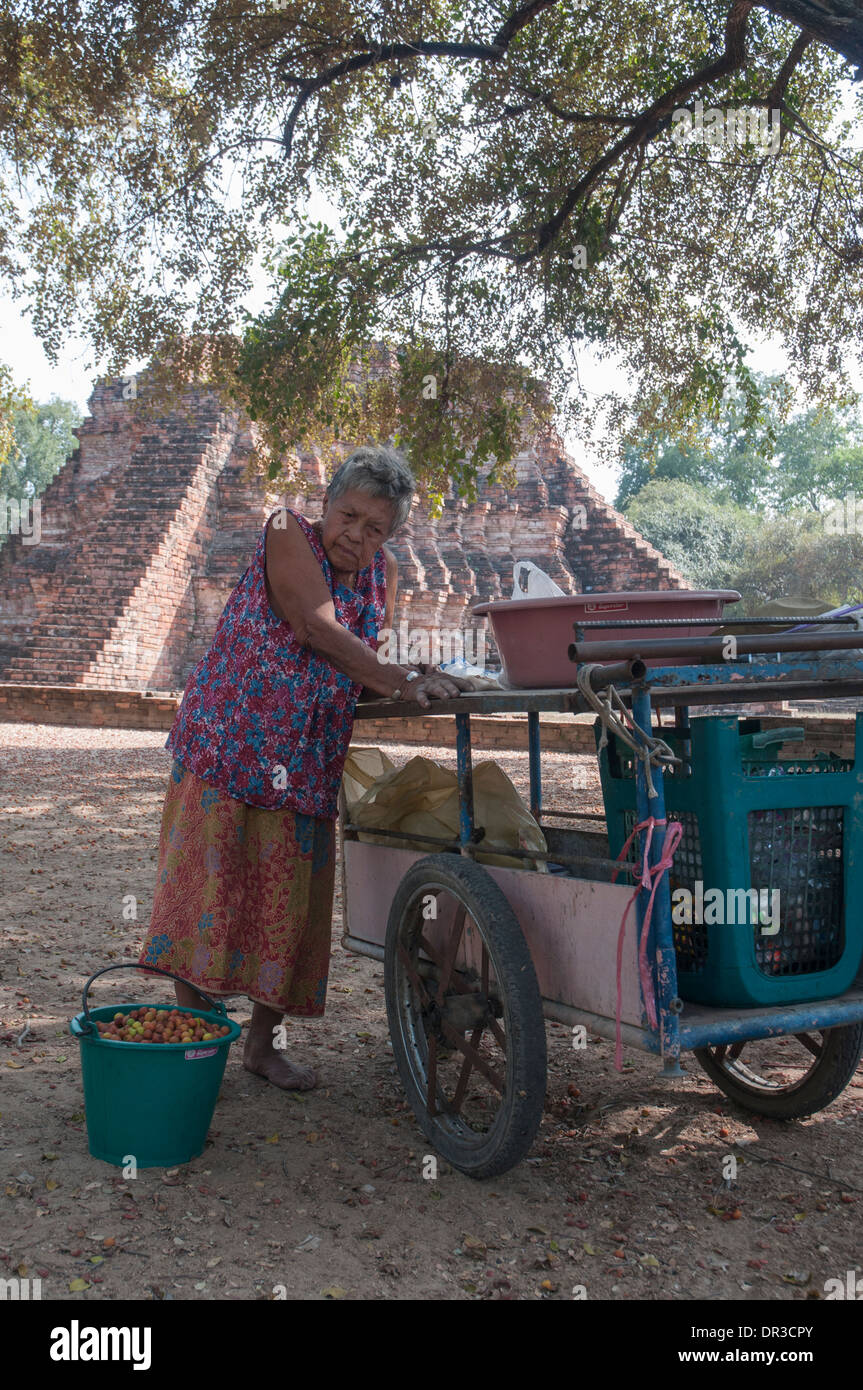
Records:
x=469, y=677
x=537, y=584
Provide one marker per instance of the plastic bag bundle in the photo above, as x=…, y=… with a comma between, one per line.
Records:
x=363, y=766
x=529, y=581
x=421, y=798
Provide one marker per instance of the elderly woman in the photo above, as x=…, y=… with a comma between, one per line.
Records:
x=246, y=871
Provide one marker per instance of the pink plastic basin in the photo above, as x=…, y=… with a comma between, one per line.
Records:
x=533, y=634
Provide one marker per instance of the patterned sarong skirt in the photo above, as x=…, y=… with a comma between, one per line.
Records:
x=244, y=897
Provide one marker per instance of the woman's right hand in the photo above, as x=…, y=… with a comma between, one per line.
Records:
x=435, y=686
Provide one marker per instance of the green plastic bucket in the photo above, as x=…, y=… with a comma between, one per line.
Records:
x=151, y=1102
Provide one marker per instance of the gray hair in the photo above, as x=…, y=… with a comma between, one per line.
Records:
x=380, y=471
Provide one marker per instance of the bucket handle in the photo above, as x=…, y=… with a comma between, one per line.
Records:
x=87, y=1026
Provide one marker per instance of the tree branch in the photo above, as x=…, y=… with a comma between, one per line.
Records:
x=577, y=117
x=776, y=96
x=836, y=23
x=429, y=48
x=647, y=125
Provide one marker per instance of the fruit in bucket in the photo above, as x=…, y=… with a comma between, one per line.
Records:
x=160, y=1026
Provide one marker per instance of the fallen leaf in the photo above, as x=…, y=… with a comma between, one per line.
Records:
x=78, y=1285
x=334, y=1291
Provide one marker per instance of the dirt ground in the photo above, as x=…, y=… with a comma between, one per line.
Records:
x=322, y=1195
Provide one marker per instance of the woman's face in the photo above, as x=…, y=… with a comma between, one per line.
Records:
x=353, y=527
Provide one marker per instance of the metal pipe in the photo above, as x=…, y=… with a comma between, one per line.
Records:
x=660, y=940
x=491, y=847
x=762, y=692
x=464, y=768
x=708, y=622
x=699, y=649
x=455, y=845
x=630, y=1034
x=533, y=746
x=623, y=672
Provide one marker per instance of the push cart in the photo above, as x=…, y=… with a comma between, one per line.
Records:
x=477, y=956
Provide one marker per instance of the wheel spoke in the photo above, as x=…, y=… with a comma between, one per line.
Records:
x=414, y=977
x=810, y=1043
x=430, y=951
x=464, y=1074
x=451, y=951
x=457, y=1040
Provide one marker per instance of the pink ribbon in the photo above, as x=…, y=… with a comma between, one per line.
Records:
x=648, y=877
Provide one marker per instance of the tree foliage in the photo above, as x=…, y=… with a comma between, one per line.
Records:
x=44, y=437
x=718, y=545
x=797, y=556
x=808, y=460
x=14, y=402
x=704, y=537
x=508, y=190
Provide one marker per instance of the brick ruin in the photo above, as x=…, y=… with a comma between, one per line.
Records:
x=150, y=523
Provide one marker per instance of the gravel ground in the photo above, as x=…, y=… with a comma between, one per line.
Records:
x=323, y=1195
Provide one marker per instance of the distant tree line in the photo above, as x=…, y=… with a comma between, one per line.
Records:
x=774, y=510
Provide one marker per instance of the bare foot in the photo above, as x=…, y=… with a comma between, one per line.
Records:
x=290, y=1076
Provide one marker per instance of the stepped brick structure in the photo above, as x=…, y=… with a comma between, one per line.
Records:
x=149, y=525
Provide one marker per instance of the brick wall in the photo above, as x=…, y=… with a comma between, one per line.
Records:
x=150, y=524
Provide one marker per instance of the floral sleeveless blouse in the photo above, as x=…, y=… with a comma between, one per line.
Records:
x=264, y=718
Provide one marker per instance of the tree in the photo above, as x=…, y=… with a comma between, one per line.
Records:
x=730, y=456
x=703, y=537
x=718, y=545
x=44, y=439
x=812, y=458
x=13, y=402
x=796, y=556
x=514, y=179
x=819, y=459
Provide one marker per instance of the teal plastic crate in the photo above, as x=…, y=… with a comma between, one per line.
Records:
x=753, y=820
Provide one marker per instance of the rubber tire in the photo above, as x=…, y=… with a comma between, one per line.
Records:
x=518, y=1119
x=830, y=1075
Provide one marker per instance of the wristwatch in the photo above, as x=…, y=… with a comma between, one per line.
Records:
x=411, y=676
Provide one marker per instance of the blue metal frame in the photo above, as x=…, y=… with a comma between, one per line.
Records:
x=705, y=1026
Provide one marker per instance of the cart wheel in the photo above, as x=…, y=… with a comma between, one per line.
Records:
x=786, y=1078
x=465, y=1015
